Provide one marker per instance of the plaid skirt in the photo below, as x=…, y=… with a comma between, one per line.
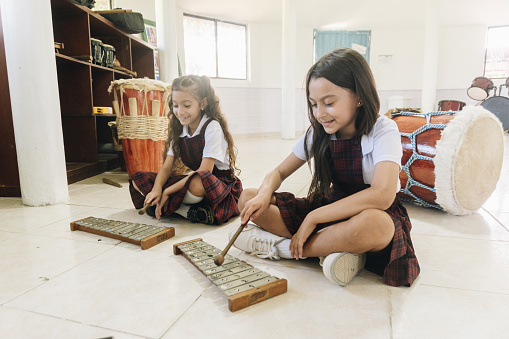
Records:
x=397, y=263
x=221, y=192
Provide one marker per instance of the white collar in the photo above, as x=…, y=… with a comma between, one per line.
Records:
x=185, y=130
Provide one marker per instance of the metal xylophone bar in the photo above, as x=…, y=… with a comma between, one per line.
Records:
x=139, y=234
x=244, y=284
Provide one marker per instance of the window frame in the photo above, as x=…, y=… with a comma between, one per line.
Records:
x=215, y=40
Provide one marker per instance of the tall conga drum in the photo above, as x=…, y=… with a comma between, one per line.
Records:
x=451, y=160
x=141, y=106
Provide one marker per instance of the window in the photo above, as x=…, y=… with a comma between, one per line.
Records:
x=215, y=48
x=327, y=41
x=496, y=64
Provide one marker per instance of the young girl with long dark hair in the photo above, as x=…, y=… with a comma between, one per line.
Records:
x=351, y=216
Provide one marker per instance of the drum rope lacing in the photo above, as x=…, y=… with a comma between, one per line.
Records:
x=416, y=156
x=142, y=126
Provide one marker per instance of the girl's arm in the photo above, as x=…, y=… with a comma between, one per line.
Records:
x=380, y=195
x=162, y=176
x=207, y=164
x=270, y=184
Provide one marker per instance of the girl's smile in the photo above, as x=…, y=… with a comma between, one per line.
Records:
x=188, y=109
x=334, y=107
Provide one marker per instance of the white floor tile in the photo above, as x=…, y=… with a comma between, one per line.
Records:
x=56, y=283
x=436, y=312
x=20, y=324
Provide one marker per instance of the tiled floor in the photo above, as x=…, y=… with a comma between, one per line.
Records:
x=55, y=283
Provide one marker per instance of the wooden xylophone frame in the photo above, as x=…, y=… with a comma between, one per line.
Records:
x=158, y=235
x=258, y=291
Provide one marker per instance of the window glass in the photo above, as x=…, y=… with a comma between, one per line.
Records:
x=497, y=53
x=231, y=50
x=215, y=48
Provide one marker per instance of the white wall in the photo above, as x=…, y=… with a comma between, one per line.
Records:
x=254, y=105
x=460, y=60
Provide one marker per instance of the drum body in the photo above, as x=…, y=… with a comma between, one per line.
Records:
x=443, y=164
x=499, y=106
x=97, y=51
x=142, y=110
x=108, y=56
x=480, y=88
x=450, y=105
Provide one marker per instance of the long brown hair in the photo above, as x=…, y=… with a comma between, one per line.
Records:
x=345, y=68
x=200, y=88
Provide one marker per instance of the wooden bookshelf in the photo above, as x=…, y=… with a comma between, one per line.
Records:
x=83, y=85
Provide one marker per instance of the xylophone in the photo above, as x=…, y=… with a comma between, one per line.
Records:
x=244, y=284
x=139, y=234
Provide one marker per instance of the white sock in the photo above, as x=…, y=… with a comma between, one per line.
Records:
x=182, y=210
x=283, y=249
x=189, y=199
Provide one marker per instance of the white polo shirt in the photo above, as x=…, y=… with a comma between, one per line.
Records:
x=383, y=143
x=216, y=146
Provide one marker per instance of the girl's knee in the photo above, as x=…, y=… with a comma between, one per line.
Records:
x=196, y=186
x=246, y=195
x=374, y=226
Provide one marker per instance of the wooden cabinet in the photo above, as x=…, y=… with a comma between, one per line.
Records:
x=83, y=85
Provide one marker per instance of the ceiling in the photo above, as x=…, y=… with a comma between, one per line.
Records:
x=358, y=14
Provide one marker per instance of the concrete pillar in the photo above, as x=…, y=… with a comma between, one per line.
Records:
x=430, y=66
x=288, y=69
x=32, y=72
x=166, y=24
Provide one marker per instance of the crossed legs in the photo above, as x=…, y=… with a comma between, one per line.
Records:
x=369, y=231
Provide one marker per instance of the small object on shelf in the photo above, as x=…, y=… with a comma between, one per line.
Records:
x=116, y=10
x=108, y=56
x=58, y=45
x=103, y=110
x=129, y=22
x=118, y=67
x=97, y=50
x=88, y=3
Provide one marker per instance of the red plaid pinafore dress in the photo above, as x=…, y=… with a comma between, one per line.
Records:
x=222, y=187
x=397, y=263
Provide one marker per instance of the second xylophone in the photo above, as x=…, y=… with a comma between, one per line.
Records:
x=139, y=234
x=244, y=284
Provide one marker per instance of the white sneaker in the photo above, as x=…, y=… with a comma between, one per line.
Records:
x=257, y=241
x=341, y=268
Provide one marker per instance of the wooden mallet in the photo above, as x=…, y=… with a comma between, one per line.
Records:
x=142, y=211
x=219, y=259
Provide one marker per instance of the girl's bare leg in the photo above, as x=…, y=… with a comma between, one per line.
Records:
x=196, y=186
x=270, y=220
x=369, y=231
